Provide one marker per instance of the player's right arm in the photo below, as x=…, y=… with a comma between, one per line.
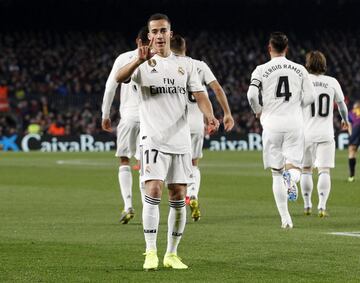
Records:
x=253, y=93
x=145, y=52
x=308, y=90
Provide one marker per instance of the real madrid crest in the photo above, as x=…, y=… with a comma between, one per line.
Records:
x=181, y=71
x=152, y=62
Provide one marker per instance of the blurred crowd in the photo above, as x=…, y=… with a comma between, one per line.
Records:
x=54, y=81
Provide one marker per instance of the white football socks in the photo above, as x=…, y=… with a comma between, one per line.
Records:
x=281, y=197
x=142, y=189
x=151, y=217
x=306, y=182
x=176, y=224
x=125, y=182
x=193, y=189
x=323, y=186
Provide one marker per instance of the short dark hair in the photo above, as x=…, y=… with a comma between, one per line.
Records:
x=143, y=34
x=158, y=16
x=315, y=62
x=279, y=41
x=178, y=43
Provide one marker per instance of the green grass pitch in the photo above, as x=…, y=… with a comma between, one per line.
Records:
x=59, y=223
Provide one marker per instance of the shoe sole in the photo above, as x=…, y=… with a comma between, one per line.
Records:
x=169, y=266
x=195, y=211
x=126, y=218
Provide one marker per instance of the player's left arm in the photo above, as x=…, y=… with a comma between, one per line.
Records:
x=344, y=113
x=205, y=107
x=213, y=83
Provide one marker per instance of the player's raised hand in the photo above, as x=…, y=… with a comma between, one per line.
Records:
x=212, y=125
x=346, y=126
x=106, y=125
x=145, y=52
x=228, y=122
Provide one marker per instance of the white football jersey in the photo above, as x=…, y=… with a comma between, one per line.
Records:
x=196, y=117
x=129, y=98
x=283, y=85
x=318, y=117
x=163, y=84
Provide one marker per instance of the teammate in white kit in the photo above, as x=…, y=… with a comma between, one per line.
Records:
x=164, y=81
x=284, y=88
x=128, y=128
x=196, y=120
x=319, y=131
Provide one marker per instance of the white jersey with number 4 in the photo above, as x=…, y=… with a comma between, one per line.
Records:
x=283, y=85
x=196, y=117
x=318, y=117
x=129, y=99
x=164, y=84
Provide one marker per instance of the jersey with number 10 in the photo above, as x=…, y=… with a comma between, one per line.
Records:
x=283, y=85
x=318, y=117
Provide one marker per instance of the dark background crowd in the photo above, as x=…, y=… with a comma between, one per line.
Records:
x=54, y=73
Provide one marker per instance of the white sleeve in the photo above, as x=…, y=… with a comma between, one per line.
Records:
x=208, y=74
x=256, y=78
x=339, y=95
x=193, y=82
x=308, y=90
x=110, y=89
x=253, y=93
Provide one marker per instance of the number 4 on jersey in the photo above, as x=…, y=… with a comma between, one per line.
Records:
x=283, y=84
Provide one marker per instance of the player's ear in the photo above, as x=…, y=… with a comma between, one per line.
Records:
x=149, y=36
x=269, y=48
x=171, y=34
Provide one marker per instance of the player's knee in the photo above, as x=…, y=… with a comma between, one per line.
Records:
x=124, y=160
x=276, y=172
x=177, y=191
x=323, y=170
x=306, y=170
x=153, y=188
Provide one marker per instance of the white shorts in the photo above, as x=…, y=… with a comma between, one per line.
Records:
x=128, y=139
x=197, y=141
x=319, y=154
x=282, y=148
x=172, y=168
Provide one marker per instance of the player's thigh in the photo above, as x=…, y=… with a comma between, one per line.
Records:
x=325, y=155
x=197, y=142
x=180, y=170
x=272, y=149
x=354, y=138
x=309, y=154
x=127, y=132
x=154, y=164
x=293, y=147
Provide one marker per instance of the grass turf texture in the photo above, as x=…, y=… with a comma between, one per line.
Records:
x=59, y=223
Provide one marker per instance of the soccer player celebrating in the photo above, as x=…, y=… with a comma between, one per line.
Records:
x=129, y=126
x=354, y=139
x=284, y=87
x=163, y=81
x=319, y=131
x=196, y=120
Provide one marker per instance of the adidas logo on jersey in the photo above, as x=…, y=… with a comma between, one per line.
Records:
x=153, y=71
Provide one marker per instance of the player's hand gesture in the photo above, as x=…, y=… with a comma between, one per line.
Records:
x=145, y=52
x=106, y=125
x=212, y=125
x=228, y=122
x=346, y=126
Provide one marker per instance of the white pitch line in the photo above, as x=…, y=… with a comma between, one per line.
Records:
x=82, y=162
x=349, y=234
